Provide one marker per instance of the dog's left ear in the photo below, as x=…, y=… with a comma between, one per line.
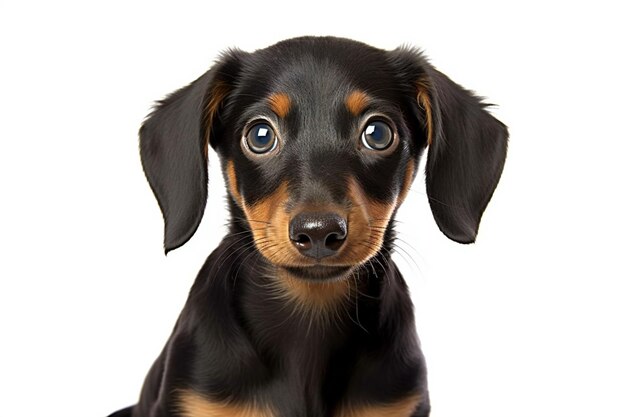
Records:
x=174, y=148
x=466, y=145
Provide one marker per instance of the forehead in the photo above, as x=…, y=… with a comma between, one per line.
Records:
x=315, y=74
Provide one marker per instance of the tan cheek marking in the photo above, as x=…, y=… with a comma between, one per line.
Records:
x=280, y=104
x=402, y=408
x=232, y=183
x=408, y=180
x=356, y=102
x=423, y=99
x=368, y=222
x=192, y=404
x=269, y=223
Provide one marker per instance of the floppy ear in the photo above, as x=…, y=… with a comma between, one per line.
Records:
x=466, y=147
x=174, y=147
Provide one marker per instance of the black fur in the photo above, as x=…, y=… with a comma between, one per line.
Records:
x=235, y=341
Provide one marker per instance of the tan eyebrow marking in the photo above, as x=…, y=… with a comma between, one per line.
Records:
x=357, y=101
x=280, y=104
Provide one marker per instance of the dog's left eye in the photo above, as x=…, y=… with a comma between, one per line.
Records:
x=261, y=138
x=377, y=136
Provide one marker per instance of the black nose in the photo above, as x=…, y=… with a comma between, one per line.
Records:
x=318, y=235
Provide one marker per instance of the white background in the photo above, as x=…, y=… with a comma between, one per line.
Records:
x=528, y=321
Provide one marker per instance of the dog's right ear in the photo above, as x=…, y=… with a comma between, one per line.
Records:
x=174, y=143
x=466, y=145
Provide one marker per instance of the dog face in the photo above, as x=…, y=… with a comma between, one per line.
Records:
x=320, y=139
x=317, y=154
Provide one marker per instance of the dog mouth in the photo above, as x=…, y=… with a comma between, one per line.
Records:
x=319, y=273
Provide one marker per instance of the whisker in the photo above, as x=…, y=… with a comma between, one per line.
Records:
x=356, y=306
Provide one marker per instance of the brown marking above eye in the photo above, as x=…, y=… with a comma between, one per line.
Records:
x=357, y=101
x=280, y=103
x=423, y=100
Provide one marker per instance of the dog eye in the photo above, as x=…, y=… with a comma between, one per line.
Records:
x=377, y=136
x=261, y=138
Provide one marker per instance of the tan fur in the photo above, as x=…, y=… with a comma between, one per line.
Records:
x=269, y=221
x=356, y=102
x=402, y=408
x=368, y=221
x=423, y=99
x=408, y=180
x=280, y=104
x=232, y=182
x=270, y=226
x=192, y=404
x=318, y=298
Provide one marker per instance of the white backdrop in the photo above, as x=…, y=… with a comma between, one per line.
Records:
x=528, y=321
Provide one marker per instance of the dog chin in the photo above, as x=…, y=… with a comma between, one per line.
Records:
x=319, y=273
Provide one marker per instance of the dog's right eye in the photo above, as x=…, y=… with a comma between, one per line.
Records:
x=261, y=138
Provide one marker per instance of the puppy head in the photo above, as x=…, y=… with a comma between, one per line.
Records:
x=320, y=139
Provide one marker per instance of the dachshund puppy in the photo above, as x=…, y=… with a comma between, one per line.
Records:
x=301, y=311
